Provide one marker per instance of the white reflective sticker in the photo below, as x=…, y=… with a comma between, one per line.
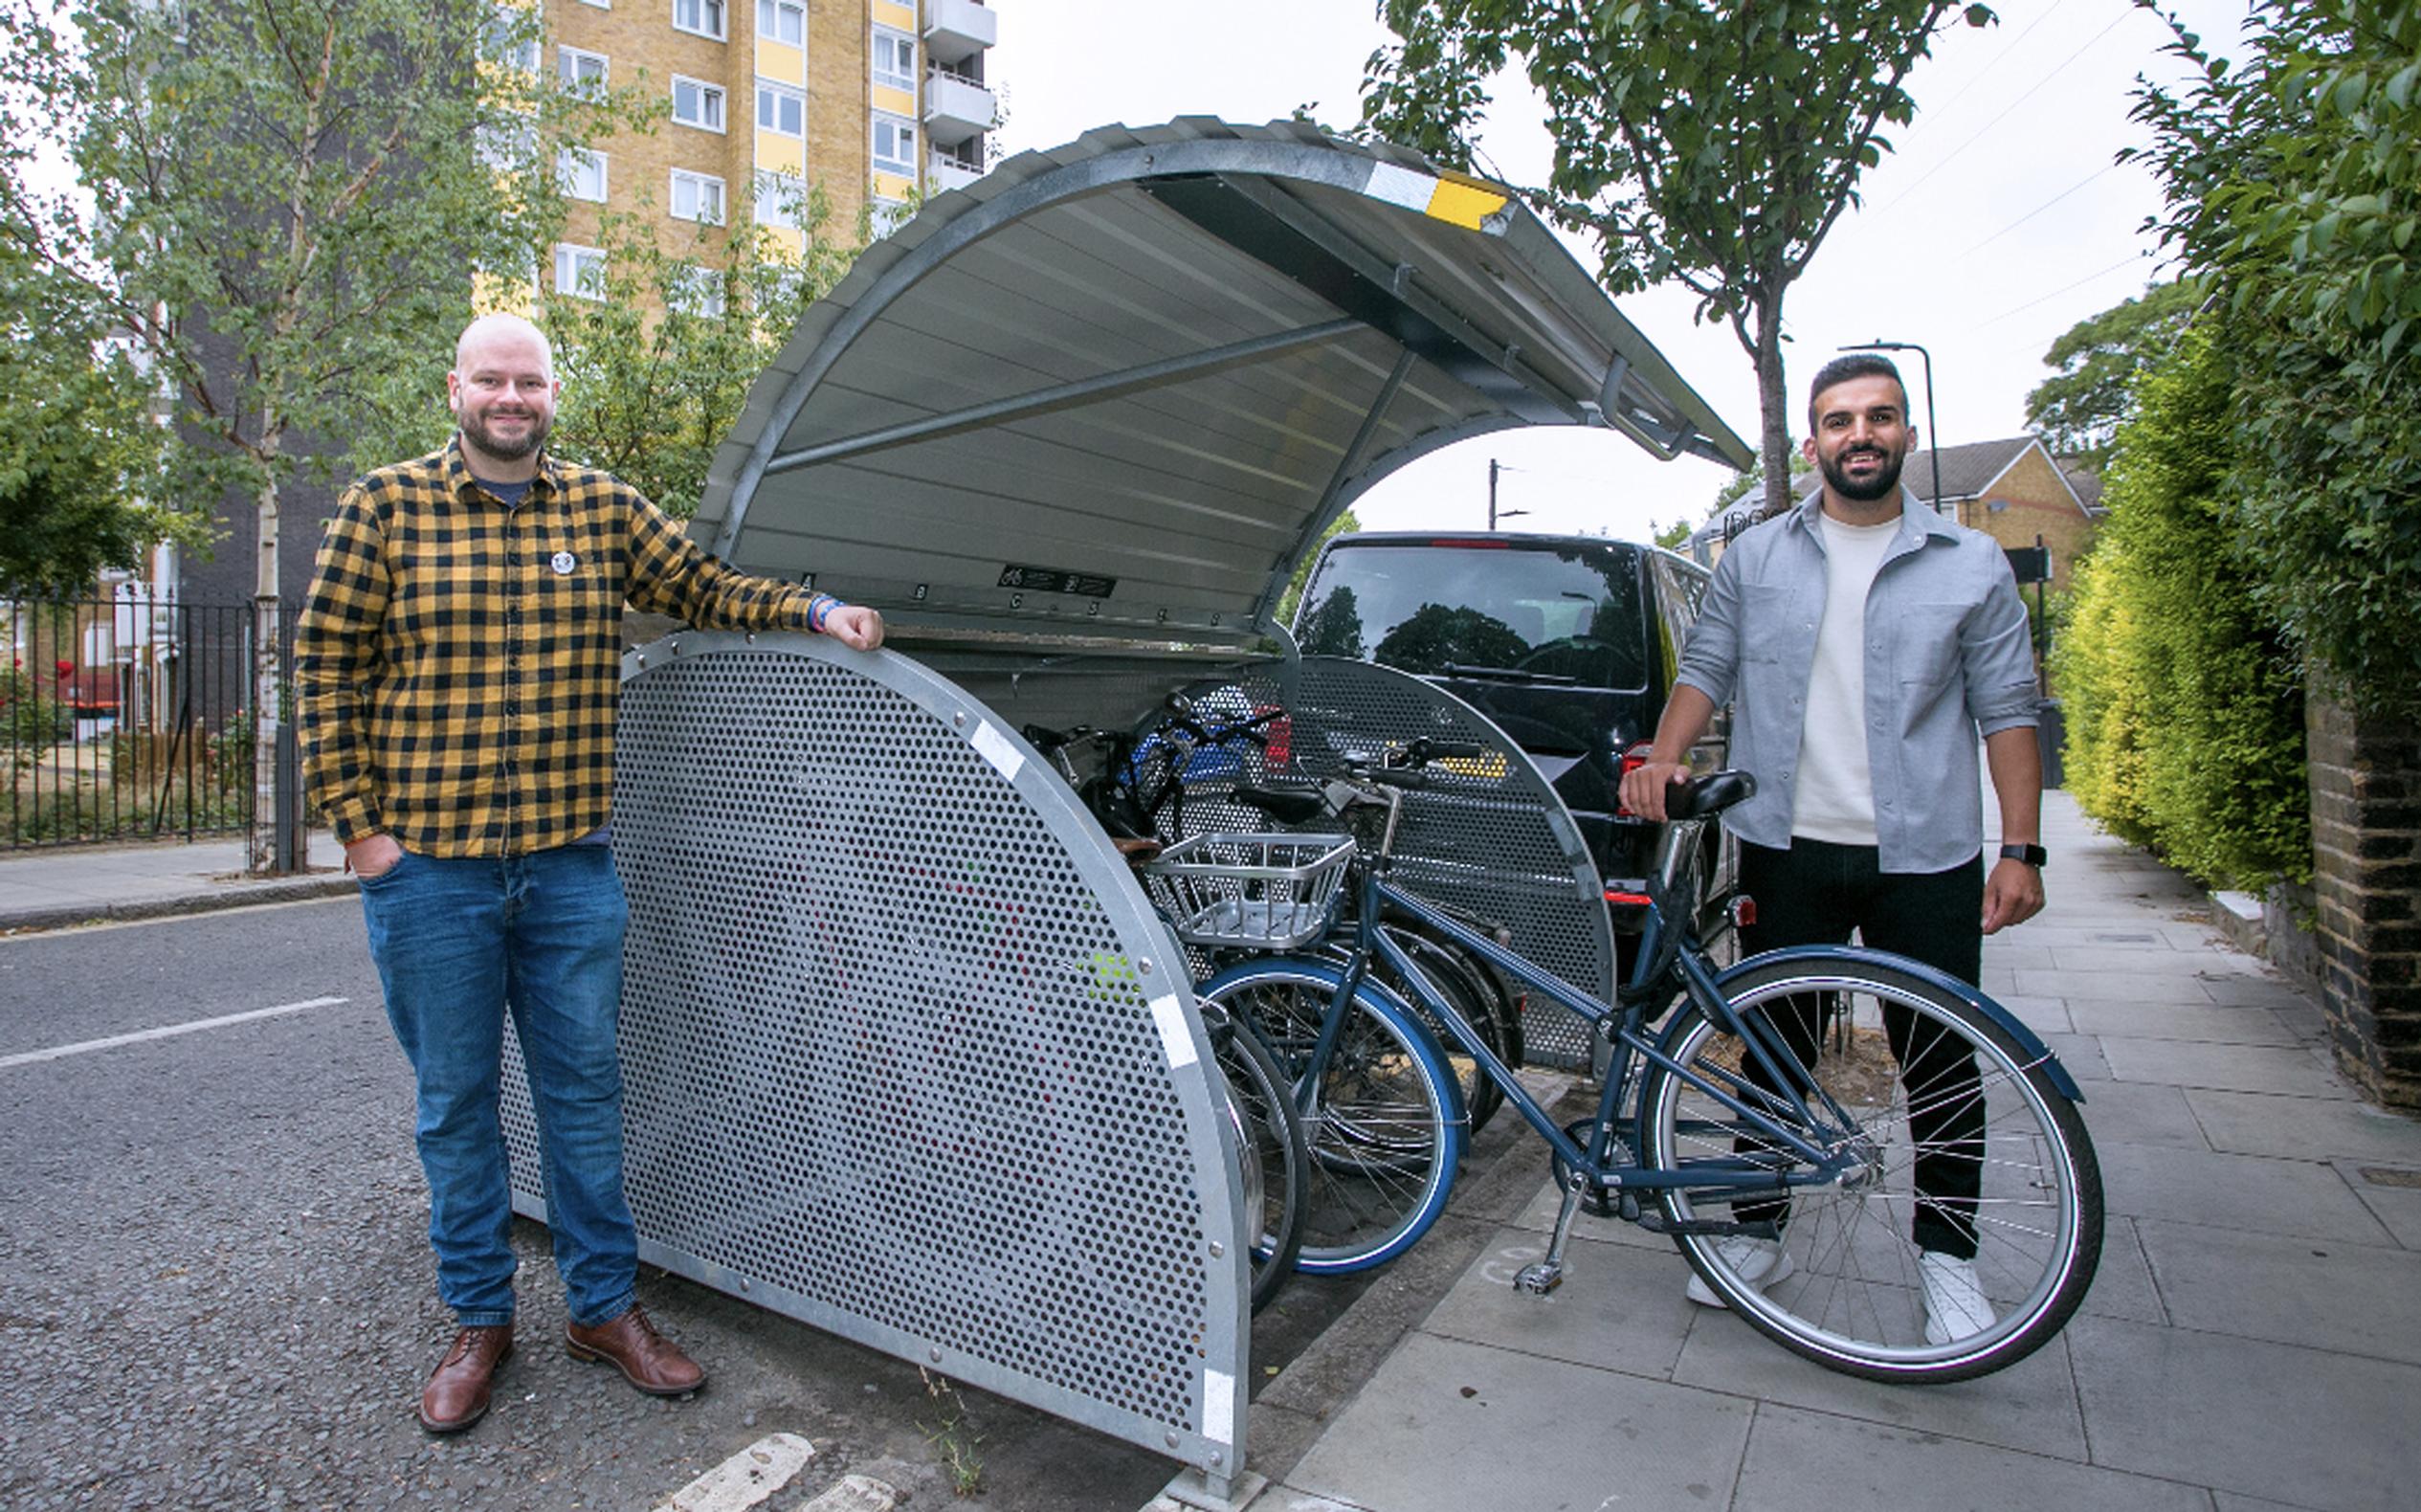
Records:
x=994, y=747
x=1218, y=1404
x=1173, y=1037
x=1400, y=187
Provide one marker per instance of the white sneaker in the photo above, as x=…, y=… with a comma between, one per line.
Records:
x=1760, y=1262
x=1955, y=1304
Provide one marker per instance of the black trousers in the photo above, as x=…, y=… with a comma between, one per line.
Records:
x=1816, y=893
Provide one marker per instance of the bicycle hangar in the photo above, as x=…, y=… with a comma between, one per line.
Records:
x=908, y=1057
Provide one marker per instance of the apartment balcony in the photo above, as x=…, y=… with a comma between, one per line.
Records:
x=943, y=173
x=955, y=30
x=956, y=108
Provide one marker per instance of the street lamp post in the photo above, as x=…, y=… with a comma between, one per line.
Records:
x=1494, y=513
x=1933, y=433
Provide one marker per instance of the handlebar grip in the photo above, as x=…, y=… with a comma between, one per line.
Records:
x=1457, y=750
x=1403, y=777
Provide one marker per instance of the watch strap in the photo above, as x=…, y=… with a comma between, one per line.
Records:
x=2033, y=856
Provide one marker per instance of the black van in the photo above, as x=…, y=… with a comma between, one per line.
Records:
x=1569, y=643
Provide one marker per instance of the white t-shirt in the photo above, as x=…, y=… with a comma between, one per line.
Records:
x=1836, y=791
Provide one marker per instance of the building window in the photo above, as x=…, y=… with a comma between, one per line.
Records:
x=783, y=21
x=701, y=16
x=782, y=110
x=581, y=174
x=697, y=291
x=887, y=214
x=579, y=271
x=696, y=103
x=602, y=5
x=698, y=197
x=581, y=69
x=895, y=145
x=894, y=59
x=512, y=40
x=781, y=200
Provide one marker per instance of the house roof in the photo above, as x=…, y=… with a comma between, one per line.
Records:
x=1967, y=470
x=2084, y=482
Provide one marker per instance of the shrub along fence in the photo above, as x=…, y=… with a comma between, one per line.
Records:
x=128, y=719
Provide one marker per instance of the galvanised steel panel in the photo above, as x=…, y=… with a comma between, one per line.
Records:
x=1490, y=836
x=904, y=1056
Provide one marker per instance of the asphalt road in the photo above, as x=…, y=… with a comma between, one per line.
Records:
x=216, y=1288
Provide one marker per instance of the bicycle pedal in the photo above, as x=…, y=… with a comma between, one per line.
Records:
x=1538, y=1279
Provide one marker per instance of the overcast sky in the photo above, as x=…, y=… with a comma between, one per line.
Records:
x=1999, y=221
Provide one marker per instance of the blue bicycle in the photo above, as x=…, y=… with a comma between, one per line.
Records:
x=1873, y=1164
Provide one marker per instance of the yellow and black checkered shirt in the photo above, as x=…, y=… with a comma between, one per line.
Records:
x=458, y=660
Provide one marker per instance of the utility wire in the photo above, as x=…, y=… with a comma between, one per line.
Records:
x=2038, y=210
x=2130, y=257
x=1933, y=115
x=1944, y=162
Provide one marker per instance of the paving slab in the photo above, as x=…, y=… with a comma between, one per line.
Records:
x=2082, y=1055
x=2044, y=1015
x=2300, y=1199
x=1873, y=1468
x=2391, y=1195
x=2199, y=1021
x=2302, y=1426
x=1620, y=1308
x=2112, y=987
x=2354, y=1299
x=1539, y=1218
x=2123, y=1285
x=2264, y=1123
x=2142, y=1113
x=2254, y=991
x=1449, y=1427
x=2232, y=1068
x=2030, y=1405
x=2128, y=960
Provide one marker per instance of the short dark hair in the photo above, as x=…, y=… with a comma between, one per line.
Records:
x=1856, y=365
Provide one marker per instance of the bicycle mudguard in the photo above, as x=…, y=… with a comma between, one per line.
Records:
x=1967, y=993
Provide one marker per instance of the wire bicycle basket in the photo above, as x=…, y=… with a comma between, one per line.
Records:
x=1261, y=892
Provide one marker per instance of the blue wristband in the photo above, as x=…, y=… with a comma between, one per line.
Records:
x=819, y=609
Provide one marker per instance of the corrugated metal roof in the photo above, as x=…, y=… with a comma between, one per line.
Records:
x=1114, y=389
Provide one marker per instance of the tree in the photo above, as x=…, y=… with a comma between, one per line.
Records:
x=1712, y=143
x=79, y=451
x=2290, y=185
x=1343, y=523
x=658, y=358
x=2080, y=410
x=289, y=199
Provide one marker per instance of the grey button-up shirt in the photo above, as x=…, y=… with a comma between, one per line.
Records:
x=1948, y=655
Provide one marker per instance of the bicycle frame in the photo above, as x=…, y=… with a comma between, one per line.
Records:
x=1371, y=941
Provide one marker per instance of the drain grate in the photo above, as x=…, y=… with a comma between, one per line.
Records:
x=2389, y=1176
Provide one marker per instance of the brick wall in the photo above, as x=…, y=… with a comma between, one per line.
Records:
x=2365, y=776
x=2038, y=503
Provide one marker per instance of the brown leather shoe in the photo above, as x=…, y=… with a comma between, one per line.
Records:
x=648, y=1360
x=457, y=1394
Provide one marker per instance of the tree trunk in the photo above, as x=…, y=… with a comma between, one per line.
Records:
x=268, y=681
x=1773, y=409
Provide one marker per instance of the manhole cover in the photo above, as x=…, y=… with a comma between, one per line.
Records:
x=2387, y=1176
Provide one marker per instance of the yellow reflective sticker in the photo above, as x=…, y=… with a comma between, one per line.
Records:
x=1464, y=204
x=1490, y=767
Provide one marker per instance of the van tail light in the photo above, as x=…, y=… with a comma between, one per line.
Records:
x=1633, y=757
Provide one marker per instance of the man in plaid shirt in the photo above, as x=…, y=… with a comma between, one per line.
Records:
x=459, y=662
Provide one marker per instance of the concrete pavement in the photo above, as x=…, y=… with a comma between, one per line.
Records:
x=2252, y=1338
x=60, y=888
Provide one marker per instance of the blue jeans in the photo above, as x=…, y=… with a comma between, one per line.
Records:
x=460, y=943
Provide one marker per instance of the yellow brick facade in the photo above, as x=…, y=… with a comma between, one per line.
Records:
x=642, y=47
x=2035, y=501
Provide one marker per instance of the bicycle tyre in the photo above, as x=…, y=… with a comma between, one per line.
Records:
x=1385, y=1125
x=1270, y=1137
x=1449, y=975
x=1851, y=1299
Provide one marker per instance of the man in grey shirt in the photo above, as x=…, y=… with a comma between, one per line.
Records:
x=1864, y=643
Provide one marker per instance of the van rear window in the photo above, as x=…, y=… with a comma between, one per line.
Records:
x=1555, y=610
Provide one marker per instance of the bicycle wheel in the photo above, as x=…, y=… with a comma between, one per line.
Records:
x=1958, y=1141
x=1384, y=1123
x=1449, y=976
x=1269, y=1134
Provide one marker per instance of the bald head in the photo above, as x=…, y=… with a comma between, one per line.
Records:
x=511, y=333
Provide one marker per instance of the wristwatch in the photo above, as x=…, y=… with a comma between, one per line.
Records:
x=2033, y=856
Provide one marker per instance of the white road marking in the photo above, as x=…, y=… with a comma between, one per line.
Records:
x=744, y=1479
x=165, y=1032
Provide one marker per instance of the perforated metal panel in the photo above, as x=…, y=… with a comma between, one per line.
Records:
x=904, y=1056
x=1490, y=836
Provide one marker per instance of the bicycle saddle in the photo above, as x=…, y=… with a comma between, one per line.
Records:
x=1285, y=805
x=1710, y=794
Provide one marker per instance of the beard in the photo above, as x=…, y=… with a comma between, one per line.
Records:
x=474, y=430
x=1881, y=485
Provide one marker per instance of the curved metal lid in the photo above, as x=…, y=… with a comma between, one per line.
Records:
x=1115, y=389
